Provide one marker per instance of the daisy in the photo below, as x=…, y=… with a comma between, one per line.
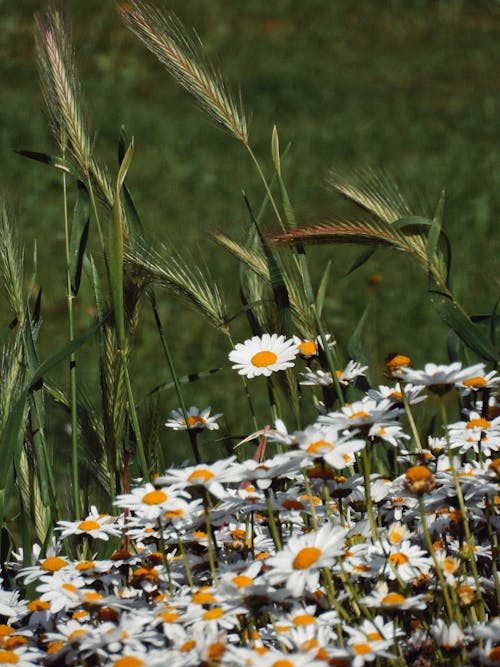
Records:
x=441, y=378
x=365, y=412
x=210, y=476
x=325, y=443
x=197, y=421
x=263, y=355
x=299, y=564
x=324, y=378
x=381, y=598
x=308, y=348
x=98, y=526
x=149, y=501
x=485, y=381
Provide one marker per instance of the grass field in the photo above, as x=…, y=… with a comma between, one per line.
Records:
x=410, y=88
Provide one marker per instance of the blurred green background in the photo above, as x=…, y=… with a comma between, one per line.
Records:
x=410, y=87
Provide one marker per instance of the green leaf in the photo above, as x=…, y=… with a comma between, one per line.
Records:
x=320, y=297
x=132, y=217
x=52, y=160
x=79, y=236
x=363, y=257
x=435, y=231
x=355, y=346
x=278, y=285
x=456, y=318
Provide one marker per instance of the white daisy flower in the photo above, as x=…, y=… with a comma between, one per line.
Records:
x=441, y=377
x=326, y=443
x=98, y=526
x=263, y=355
x=299, y=564
x=309, y=348
x=196, y=420
x=324, y=378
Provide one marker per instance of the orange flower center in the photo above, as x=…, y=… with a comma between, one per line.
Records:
x=304, y=619
x=213, y=614
x=264, y=358
x=128, y=661
x=193, y=420
x=392, y=599
x=361, y=649
x=306, y=557
x=320, y=447
x=201, y=476
x=53, y=564
x=397, y=360
x=88, y=525
x=398, y=559
x=308, y=347
x=479, y=423
x=241, y=580
x=475, y=382
x=154, y=497
x=360, y=414
x=418, y=474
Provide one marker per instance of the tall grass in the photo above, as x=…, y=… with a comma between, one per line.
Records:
x=114, y=433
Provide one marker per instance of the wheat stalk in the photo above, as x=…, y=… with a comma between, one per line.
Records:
x=62, y=92
x=166, y=38
x=184, y=279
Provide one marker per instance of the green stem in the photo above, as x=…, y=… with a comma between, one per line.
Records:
x=72, y=364
x=468, y=536
x=411, y=420
x=369, y=504
x=437, y=565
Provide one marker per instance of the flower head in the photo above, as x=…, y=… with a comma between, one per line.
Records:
x=263, y=355
x=196, y=420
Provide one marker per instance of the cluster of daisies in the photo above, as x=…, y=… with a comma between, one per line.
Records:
x=352, y=541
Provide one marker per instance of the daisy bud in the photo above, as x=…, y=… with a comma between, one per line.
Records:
x=419, y=480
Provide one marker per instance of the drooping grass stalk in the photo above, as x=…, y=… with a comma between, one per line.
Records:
x=72, y=363
x=272, y=521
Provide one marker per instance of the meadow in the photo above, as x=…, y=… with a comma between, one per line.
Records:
x=249, y=393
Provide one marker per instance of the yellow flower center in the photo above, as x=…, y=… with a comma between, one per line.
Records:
x=393, y=599
x=308, y=347
x=169, y=617
x=291, y=504
x=193, y=420
x=475, y=382
x=154, y=497
x=213, y=614
x=306, y=557
x=282, y=663
x=202, y=597
x=128, y=661
x=9, y=657
x=304, y=619
x=397, y=360
x=6, y=630
x=418, y=474
x=53, y=564
x=38, y=605
x=396, y=395
x=188, y=646
x=374, y=636
x=241, y=580
x=360, y=414
x=200, y=476
x=320, y=447
x=398, y=559
x=88, y=525
x=84, y=565
x=361, y=649
x=479, y=423
x=264, y=358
